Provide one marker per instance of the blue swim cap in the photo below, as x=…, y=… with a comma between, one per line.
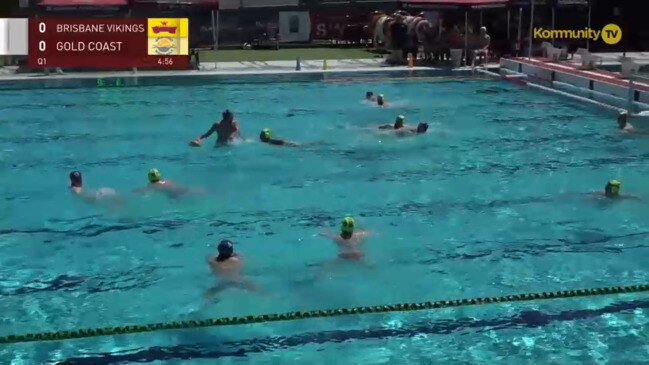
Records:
x=226, y=248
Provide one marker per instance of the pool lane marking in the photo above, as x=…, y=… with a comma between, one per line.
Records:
x=289, y=316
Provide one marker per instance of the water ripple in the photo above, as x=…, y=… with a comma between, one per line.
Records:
x=138, y=278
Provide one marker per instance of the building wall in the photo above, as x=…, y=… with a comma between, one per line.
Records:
x=631, y=16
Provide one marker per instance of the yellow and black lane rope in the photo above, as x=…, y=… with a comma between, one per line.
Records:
x=289, y=316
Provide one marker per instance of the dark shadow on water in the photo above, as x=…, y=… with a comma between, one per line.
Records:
x=137, y=278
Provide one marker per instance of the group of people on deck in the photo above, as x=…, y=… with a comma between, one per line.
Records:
x=405, y=35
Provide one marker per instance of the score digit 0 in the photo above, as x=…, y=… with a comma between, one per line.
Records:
x=41, y=46
x=41, y=27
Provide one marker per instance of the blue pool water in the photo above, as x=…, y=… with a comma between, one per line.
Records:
x=488, y=203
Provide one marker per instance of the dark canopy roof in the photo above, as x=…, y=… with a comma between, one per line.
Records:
x=212, y=3
x=526, y=3
x=83, y=2
x=452, y=4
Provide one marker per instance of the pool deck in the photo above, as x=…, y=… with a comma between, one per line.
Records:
x=233, y=69
x=613, y=58
x=278, y=67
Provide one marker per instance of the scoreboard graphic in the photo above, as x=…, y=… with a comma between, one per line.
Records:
x=98, y=43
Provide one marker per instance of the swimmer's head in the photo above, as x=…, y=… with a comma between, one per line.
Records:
x=380, y=100
x=398, y=123
x=154, y=176
x=483, y=30
x=347, y=226
x=75, y=179
x=369, y=95
x=622, y=119
x=422, y=127
x=226, y=249
x=228, y=116
x=612, y=188
x=264, y=136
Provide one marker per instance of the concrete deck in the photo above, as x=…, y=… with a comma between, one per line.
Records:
x=307, y=65
x=612, y=58
x=246, y=68
x=233, y=69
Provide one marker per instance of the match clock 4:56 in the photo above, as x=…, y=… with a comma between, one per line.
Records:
x=165, y=61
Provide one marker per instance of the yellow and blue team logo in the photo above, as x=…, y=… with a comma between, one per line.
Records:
x=168, y=36
x=164, y=46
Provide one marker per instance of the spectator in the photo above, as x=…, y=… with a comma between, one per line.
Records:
x=399, y=32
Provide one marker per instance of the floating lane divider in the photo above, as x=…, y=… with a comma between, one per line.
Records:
x=289, y=316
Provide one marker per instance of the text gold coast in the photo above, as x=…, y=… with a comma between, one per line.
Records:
x=100, y=28
x=89, y=46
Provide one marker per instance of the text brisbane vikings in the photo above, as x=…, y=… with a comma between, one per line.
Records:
x=100, y=28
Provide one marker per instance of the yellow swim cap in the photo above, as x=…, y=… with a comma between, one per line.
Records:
x=347, y=225
x=613, y=186
x=154, y=175
x=401, y=118
x=265, y=133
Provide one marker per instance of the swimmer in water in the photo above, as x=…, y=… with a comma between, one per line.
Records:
x=226, y=265
x=402, y=130
x=266, y=137
x=398, y=124
x=380, y=100
x=227, y=130
x=369, y=96
x=412, y=131
x=348, y=240
x=612, y=191
x=625, y=127
x=623, y=123
x=157, y=183
x=76, y=186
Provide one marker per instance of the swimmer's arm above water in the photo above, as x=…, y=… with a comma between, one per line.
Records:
x=237, y=130
x=282, y=142
x=358, y=232
x=197, y=141
x=620, y=196
x=629, y=196
x=362, y=232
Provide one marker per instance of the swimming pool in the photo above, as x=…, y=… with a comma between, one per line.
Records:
x=487, y=203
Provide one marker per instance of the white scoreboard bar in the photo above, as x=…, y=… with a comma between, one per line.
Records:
x=14, y=40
